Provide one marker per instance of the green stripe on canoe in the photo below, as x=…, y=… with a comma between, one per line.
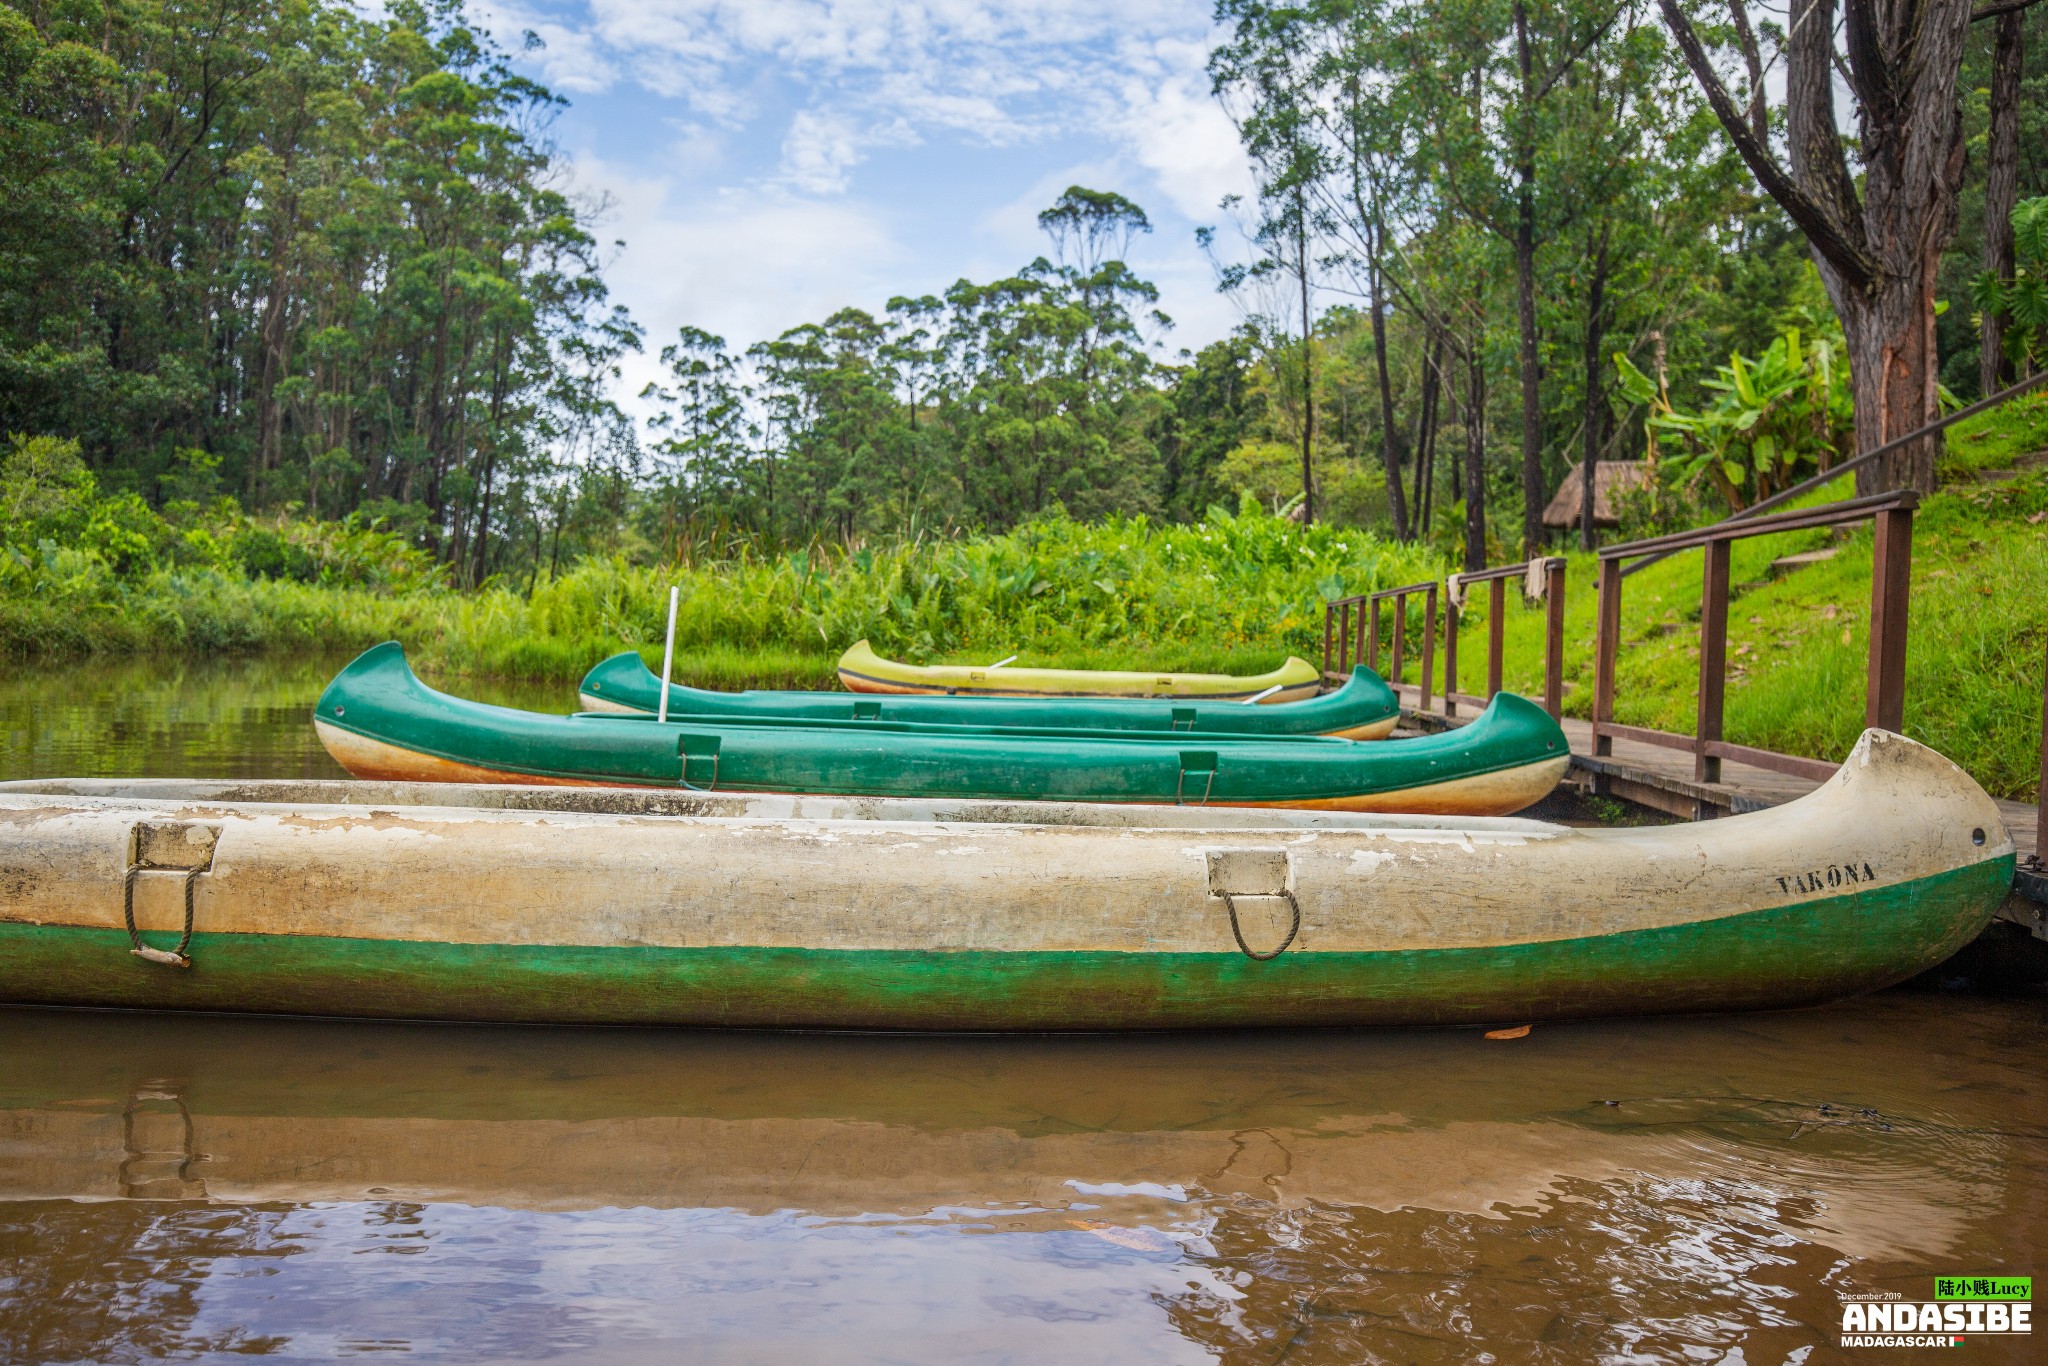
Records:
x=378, y=697
x=1783, y=956
x=625, y=680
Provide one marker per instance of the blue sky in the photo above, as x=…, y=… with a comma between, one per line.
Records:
x=769, y=161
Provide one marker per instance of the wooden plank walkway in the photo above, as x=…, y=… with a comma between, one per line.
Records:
x=1662, y=780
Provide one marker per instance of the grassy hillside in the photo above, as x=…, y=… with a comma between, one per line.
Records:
x=1798, y=643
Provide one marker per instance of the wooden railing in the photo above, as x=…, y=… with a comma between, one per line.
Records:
x=1885, y=699
x=1497, y=580
x=1338, y=619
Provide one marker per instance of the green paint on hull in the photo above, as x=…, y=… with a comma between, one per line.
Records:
x=1784, y=956
x=378, y=697
x=1365, y=699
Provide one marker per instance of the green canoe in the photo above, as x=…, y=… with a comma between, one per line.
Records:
x=379, y=721
x=1363, y=709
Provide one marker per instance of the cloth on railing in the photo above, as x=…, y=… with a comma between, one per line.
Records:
x=1454, y=588
x=1535, y=580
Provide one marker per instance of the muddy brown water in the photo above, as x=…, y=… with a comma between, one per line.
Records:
x=1684, y=1190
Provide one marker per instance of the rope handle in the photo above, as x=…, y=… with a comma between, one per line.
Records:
x=1230, y=900
x=173, y=958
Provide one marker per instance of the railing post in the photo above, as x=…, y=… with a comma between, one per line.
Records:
x=1553, y=638
x=1496, y=622
x=1357, y=629
x=1451, y=655
x=1891, y=574
x=1329, y=608
x=1400, y=636
x=2041, y=795
x=1372, y=634
x=1344, y=641
x=1428, y=642
x=1713, y=660
x=1606, y=644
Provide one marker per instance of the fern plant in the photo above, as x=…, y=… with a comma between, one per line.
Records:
x=2022, y=300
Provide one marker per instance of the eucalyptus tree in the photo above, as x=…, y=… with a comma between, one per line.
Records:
x=327, y=246
x=1877, y=229
x=1265, y=78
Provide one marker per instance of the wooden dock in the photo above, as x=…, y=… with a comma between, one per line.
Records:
x=1694, y=776
x=1701, y=774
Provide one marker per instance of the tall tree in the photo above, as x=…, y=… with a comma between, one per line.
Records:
x=2001, y=179
x=1878, y=245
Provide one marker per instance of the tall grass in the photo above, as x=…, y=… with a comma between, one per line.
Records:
x=1233, y=592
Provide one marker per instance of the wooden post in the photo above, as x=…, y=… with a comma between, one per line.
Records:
x=1428, y=642
x=1358, y=634
x=1344, y=640
x=1329, y=610
x=1496, y=622
x=1891, y=574
x=1450, y=655
x=2041, y=796
x=1400, y=636
x=1553, y=638
x=1713, y=660
x=1606, y=644
x=1372, y=635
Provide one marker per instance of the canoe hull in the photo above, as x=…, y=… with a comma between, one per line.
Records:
x=961, y=924
x=1847, y=946
x=862, y=670
x=1364, y=708
x=1485, y=794
x=380, y=722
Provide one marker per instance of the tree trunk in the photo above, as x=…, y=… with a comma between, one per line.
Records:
x=1877, y=245
x=2001, y=186
x=1525, y=296
x=1596, y=393
x=1397, y=506
x=1425, y=431
x=1475, y=460
x=1308, y=395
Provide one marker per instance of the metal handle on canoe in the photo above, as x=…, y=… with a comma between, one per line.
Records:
x=1195, y=761
x=698, y=747
x=1237, y=933
x=167, y=847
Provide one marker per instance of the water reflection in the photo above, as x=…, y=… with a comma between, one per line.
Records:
x=229, y=717
x=1668, y=1190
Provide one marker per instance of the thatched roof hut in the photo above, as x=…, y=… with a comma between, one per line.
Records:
x=1609, y=478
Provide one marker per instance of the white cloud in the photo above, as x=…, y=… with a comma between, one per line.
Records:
x=1176, y=130
x=823, y=145
x=745, y=264
x=737, y=185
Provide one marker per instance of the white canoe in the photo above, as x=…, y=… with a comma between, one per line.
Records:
x=594, y=907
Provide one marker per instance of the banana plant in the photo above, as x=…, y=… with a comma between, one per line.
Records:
x=1773, y=418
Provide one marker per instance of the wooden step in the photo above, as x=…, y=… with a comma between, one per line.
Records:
x=1785, y=564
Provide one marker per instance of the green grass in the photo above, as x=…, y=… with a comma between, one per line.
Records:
x=1230, y=594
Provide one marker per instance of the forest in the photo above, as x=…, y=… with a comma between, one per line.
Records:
x=323, y=265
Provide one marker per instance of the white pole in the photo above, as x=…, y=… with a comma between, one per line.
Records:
x=1007, y=659
x=1261, y=696
x=668, y=652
